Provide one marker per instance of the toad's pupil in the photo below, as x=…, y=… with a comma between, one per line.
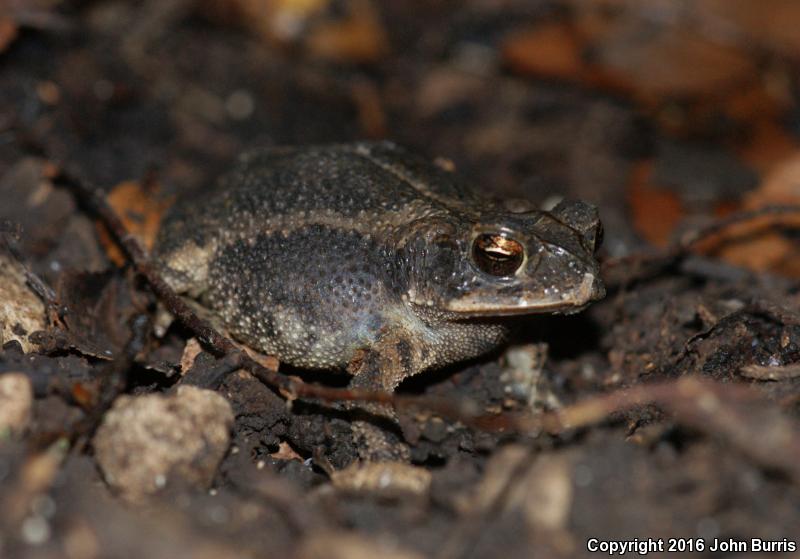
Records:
x=497, y=255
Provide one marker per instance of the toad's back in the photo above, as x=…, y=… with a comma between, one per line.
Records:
x=292, y=249
x=369, y=187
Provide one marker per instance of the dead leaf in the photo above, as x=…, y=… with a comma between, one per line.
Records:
x=769, y=145
x=350, y=31
x=781, y=186
x=655, y=211
x=686, y=64
x=140, y=209
x=85, y=395
x=190, y=352
x=551, y=49
x=757, y=245
x=674, y=63
x=770, y=24
x=286, y=452
x=8, y=32
x=98, y=308
x=358, y=38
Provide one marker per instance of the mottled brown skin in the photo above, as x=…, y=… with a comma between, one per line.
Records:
x=367, y=258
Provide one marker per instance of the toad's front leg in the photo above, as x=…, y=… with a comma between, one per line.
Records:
x=376, y=431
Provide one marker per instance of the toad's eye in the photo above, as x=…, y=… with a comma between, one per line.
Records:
x=497, y=255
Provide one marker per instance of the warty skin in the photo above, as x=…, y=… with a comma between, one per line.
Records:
x=367, y=258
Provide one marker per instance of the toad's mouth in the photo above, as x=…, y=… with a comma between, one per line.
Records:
x=563, y=302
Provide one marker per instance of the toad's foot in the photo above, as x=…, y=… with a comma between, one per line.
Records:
x=378, y=440
x=376, y=431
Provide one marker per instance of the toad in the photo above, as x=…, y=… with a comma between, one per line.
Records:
x=367, y=258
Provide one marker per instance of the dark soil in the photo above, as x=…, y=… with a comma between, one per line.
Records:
x=113, y=91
